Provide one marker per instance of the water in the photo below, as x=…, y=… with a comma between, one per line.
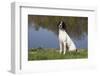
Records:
x=48, y=39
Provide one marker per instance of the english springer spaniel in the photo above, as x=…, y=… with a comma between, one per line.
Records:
x=65, y=42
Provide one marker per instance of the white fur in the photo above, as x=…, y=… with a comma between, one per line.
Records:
x=64, y=40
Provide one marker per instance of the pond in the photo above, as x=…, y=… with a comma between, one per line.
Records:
x=46, y=38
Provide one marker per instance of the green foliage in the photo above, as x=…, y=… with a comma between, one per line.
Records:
x=75, y=25
x=51, y=54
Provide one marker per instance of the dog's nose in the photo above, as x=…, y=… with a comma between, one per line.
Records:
x=60, y=26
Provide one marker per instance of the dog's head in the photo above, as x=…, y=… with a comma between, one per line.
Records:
x=62, y=25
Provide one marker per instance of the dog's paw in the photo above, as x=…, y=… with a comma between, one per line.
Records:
x=64, y=53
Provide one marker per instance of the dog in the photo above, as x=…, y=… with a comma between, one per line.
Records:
x=65, y=42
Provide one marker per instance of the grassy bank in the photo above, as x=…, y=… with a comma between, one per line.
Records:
x=51, y=54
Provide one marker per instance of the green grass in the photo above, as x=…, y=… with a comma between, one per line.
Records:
x=51, y=54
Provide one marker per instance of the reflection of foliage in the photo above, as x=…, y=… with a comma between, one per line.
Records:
x=75, y=25
x=36, y=28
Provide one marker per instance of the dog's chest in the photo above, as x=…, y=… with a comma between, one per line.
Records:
x=62, y=35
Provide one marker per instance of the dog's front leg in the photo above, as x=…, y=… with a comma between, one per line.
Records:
x=64, y=47
x=61, y=47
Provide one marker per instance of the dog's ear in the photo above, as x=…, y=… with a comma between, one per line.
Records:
x=64, y=25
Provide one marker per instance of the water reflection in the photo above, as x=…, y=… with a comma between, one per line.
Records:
x=47, y=39
x=42, y=38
